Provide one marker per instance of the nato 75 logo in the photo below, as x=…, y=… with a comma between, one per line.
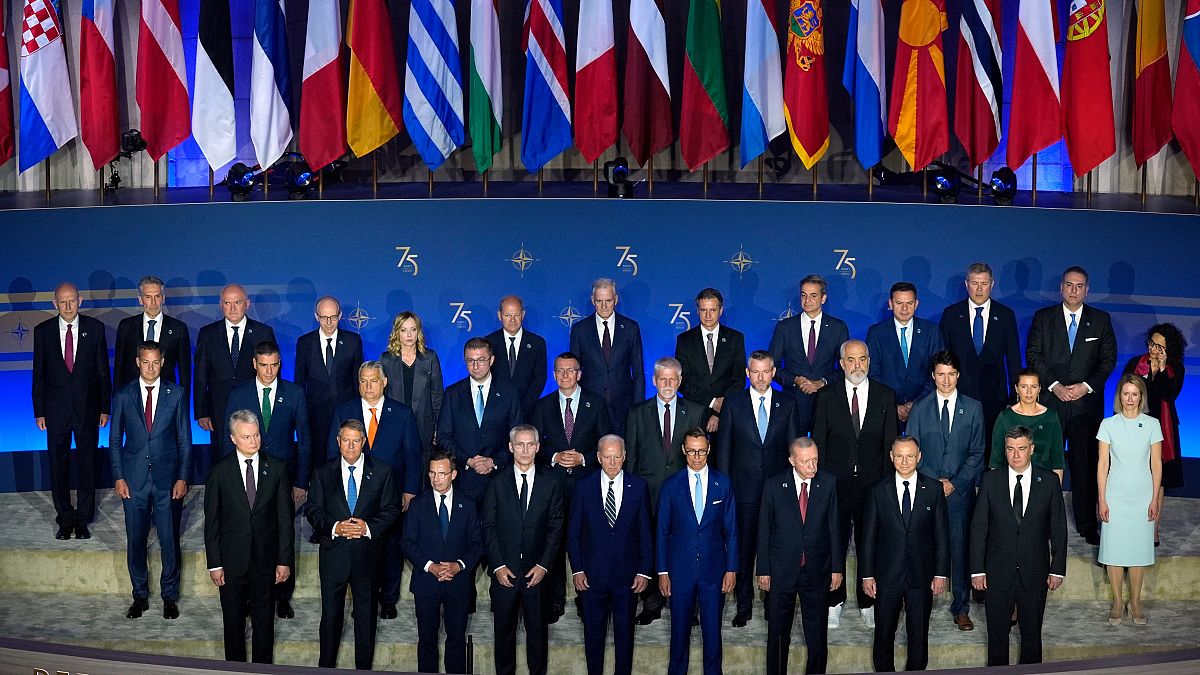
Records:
x=628, y=260
x=845, y=263
x=681, y=315
x=408, y=260
x=462, y=316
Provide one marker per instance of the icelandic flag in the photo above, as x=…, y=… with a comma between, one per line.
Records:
x=47, y=110
x=433, y=93
x=270, y=84
x=98, y=82
x=546, y=115
x=863, y=79
x=762, y=88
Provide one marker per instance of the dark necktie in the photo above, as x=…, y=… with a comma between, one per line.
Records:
x=606, y=343
x=524, y=493
x=610, y=504
x=666, y=429
x=235, y=348
x=977, y=330
x=150, y=330
x=251, y=489
x=812, y=341
x=854, y=416
x=946, y=418
x=710, y=352
x=512, y=356
x=906, y=504
x=568, y=422
x=69, y=350
x=444, y=518
x=1019, y=500
x=803, y=499
x=149, y=411
x=329, y=355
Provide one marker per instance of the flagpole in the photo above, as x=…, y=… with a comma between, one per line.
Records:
x=539, y=182
x=1144, y=180
x=484, y=175
x=430, y=183
x=924, y=182
x=650, y=176
x=760, y=176
x=870, y=183
x=595, y=179
x=374, y=175
x=100, y=188
x=210, y=190
x=814, y=176
x=979, y=181
x=46, y=166
x=156, y=180
x=266, y=176
x=1034, y=185
x=706, y=180
x=1089, y=189
x=320, y=183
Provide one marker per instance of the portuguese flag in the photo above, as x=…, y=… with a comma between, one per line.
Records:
x=704, y=122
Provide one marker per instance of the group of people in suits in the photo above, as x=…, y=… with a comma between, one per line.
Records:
x=707, y=487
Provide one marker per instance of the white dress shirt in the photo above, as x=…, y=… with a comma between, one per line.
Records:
x=158, y=325
x=908, y=334
x=366, y=411
x=157, y=384
x=487, y=390
x=987, y=315
x=324, y=339
x=807, y=324
x=612, y=327
x=62, y=335
x=674, y=413
x=359, y=466
x=513, y=339
x=241, y=458
x=241, y=326
x=531, y=474
x=274, y=385
x=716, y=340
x=953, y=398
x=1066, y=325
x=562, y=413
x=862, y=397
x=912, y=495
x=801, y=481
x=437, y=505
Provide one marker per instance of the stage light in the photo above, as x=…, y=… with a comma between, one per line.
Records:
x=131, y=142
x=299, y=178
x=616, y=174
x=240, y=180
x=946, y=184
x=1004, y=186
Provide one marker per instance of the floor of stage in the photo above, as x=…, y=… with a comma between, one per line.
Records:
x=76, y=592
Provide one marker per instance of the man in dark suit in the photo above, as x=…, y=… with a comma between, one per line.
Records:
x=654, y=442
x=477, y=413
x=801, y=552
x=905, y=559
x=609, y=537
x=696, y=551
x=150, y=446
x=610, y=348
x=249, y=540
x=391, y=437
x=443, y=542
x=327, y=361
x=948, y=425
x=1074, y=349
x=152, y=325
x=224, y=355
x=71, y=397
x=1018, y=547
x=712, y=355
x=523, y=521
x=520, y=354
x=571, y=455
x=983, y=334
x=752, y=444
x=351, y=502
x=805, y=348
x=854, y=424
x=900, y=349
x=282, y=414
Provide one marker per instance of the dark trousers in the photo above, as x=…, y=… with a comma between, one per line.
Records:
x=683, y=601
x=554, y=591
x=432, y=611
x=813, y=591
x=851, y=498
x=1031, y=605
x=320, y=417
x=145, y=506
x=333, y=619
x=1083, y=454
x=747, y=528
x=958, y=510
x=509, y=604
x=599, y=603
x=244, y=594
x=58, y=444
x=917, y=603
x=283, y=592
x=393, y=563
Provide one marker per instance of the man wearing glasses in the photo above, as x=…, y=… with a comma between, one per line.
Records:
x=327, y=361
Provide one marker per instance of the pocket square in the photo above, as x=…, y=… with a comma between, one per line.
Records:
x=714, y=503
x=1091, y=339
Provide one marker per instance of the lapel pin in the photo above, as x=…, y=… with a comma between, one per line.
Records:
x=928, y=509
x=170, y=331
x=960, y=411
x=528, y=346
x=722, y=339
x=785, y=485
x=389, y=408
x=83, y=334
x=587, y=404
x=816, y=484
x=1037, y=479
x=917, y=330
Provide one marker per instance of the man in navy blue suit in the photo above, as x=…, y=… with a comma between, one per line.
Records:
x=805, y=348
x=443, y=542
x=327, y=361
x=153, y=324
x=150, y=444
x=697, y=552
x=901, y=348
x=282, y=412
x=610, y=348
x=610, y=542
x=520, y=354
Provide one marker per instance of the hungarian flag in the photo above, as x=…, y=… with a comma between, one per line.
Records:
x=1035, y=122
x=322, y=96
x=1152, y=88
x=98, y=82
x=595, y=80
x=6, y=119
x=917, y=116
x=374, y=104
x=805, y=100
x=704, y=120
x=1185, y=119
x=162, y=93
x=486, y=110
x=979, y=84
x=1088, y=125
x=647, y=112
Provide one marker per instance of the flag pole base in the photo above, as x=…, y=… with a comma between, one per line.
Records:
x=814, y=182
x=430, y=183
x=210, y=192
x=321, y=183
x=871, y=184
x=979, y=181
x=760, y=176
x=155, y=180
x=595, y=177
x=1088, y=201
x=705, y=171
x=1033, y=178
x=374, y=175
x=650, y=176
x=541, y=182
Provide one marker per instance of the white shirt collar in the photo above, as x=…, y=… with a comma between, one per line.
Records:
x=903, y=325
x=63, y=323
x=618, y=480
x=508, y=337
x=1067, y=314
x=1027, y=473
x=754, y=396
x=241, y=325
x=953, y=398
x=809, y=319
x=358, y=465
x=154, y=384
x=987, y=306
x=716, y=334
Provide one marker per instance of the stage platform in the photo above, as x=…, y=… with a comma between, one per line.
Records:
x=76, y=592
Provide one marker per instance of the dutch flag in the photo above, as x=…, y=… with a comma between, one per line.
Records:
x=47, y=111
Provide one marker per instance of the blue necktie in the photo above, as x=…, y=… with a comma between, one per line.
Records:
x=235, y=347
x=444, y=518
x=698, y=499
x=351, y=491
x=762, y=419
x=977, y=330
x=1071, y=331
x=479, y=407
x=904, y=344
x=150, y=330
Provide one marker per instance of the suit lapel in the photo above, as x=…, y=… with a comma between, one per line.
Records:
x=682, y=421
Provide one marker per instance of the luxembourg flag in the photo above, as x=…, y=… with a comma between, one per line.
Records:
x=862, y=77
x=546, y=118
x=47, y=111
x=762, y=88
x=98, y=82
x=433, y=93
x=270, y=84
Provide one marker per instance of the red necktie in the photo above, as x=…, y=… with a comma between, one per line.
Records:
x=69, y=350
x=666, y=439
x=854, y=416
x=149, y=411
x=803, y=515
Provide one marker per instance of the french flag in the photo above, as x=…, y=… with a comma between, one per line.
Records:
x=98, y=82
x=47, y=111
x=270, y=84
x=6, y=120
x=595, y=80
x=322, y=96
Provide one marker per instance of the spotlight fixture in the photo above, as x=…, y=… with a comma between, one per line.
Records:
x=616, y=174
x=299, y=178
x=131, y=142
x=946, y=183
x=1004, y=186
x=240, y=180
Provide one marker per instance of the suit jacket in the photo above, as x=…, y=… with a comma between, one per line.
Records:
x=644, y=454
x=990, y=375
x=423, y=543
x=611, y=555
x=287, y=437
x=520, y=538
x=740, y=453
x=788, y=345
x=591, y=423
x=396, y=441
x=841, y=451
x=215, y=375
x=324, y=386
x=784, y=539
x=728, y=374
x=377, y=505
x=168, y=448
x=1048, y=351
x=1028, y=552
x=692, y=552
x=461, y=435
x=913, y=381
x=621, y=381
x=428, y=390
x=240, y=538
x=170, y=333
x=905, y=555
x=529, y=379
x=80, y=395
x=959, y=457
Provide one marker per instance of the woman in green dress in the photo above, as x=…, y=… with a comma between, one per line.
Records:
x=1047, y=431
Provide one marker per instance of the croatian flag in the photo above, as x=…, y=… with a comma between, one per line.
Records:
x=47, y=111
x=863, y=79
x=270, y=84
x=762, y=88
x=98, y=82
x=433, y=93
x=546, y=116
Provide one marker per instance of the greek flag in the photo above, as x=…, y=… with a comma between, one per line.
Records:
x=433, y=94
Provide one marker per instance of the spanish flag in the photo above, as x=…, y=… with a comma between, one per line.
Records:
x=917, y=117
x=805, y=98
x=1152, y=88
x=374, y=103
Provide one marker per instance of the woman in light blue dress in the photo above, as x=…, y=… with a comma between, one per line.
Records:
x=1128, y=477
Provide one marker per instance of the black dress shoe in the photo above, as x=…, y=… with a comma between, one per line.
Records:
x=135, y=610
x=648, y=616
x=556, y=612
x=283, y=610
x=313, y=538
x=170, y=609
x=63, y=533
x=82, y=532
x=741, y=619
x=387, y=612
x=695, y=621
x=1092, y=538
